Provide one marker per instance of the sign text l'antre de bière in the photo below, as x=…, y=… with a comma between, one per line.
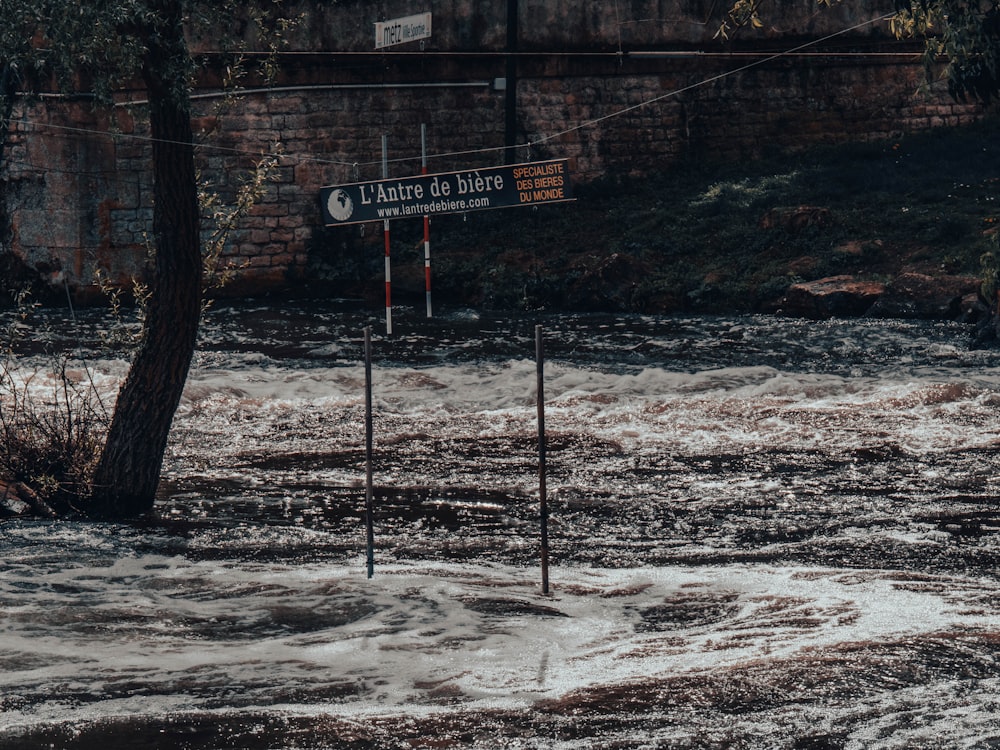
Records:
x=529, y=184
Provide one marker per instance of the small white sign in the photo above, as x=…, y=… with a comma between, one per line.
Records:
x=402, y=30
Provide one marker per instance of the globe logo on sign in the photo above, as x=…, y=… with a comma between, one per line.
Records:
x=340, y=205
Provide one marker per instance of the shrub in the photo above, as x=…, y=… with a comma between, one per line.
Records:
x=52, y=427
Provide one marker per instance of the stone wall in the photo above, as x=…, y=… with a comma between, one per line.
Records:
x=614, y=91
x=655, y=113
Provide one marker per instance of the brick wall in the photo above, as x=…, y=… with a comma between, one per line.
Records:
x=78, y=186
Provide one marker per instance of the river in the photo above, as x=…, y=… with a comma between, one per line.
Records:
x=764, y=533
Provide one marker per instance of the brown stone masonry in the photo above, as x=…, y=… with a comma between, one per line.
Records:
x=612, y=95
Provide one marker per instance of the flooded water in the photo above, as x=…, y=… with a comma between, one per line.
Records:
x=765, y=533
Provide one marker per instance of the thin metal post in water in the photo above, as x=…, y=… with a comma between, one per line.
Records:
x=369, y=493
x=542, y=495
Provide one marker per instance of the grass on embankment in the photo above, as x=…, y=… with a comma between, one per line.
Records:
x=691, y=238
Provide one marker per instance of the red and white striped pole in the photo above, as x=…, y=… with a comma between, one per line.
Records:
x=427, y=221
x=385, y=232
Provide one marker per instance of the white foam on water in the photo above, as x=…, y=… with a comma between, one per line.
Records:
x=119, y=634
x=105, y=621
x=734, y=409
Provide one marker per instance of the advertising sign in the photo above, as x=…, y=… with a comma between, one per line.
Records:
x=527, y=184
x=402, y=30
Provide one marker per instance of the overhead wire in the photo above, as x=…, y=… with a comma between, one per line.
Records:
x=676, y=92
x=711, y=79
x=24, y=121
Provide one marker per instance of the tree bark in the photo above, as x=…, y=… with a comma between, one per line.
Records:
x=128, y=471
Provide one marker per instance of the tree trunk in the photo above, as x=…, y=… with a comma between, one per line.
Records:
x=128, y=471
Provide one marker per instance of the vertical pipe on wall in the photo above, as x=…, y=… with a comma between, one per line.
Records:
x=510, y=93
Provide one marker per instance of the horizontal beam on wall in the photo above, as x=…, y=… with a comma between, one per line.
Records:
x=325, y=87
x=908, y=52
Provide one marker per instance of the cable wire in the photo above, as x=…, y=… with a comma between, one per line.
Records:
x=301, y=158
x=711, y=79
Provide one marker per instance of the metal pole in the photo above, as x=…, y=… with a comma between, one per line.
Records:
x=385, y=232
x=542, y=495
x=427, y=221
x=369, y=491
x=510, y=94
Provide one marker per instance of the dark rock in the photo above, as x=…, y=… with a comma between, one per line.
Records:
x=17, y=276
x=834, y=296
x=917, y=295
x=796, y=218
x=606, y=284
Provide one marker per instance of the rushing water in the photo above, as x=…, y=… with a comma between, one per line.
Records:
x=765, y=533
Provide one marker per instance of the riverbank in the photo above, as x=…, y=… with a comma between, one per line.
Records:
x=892, y=228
